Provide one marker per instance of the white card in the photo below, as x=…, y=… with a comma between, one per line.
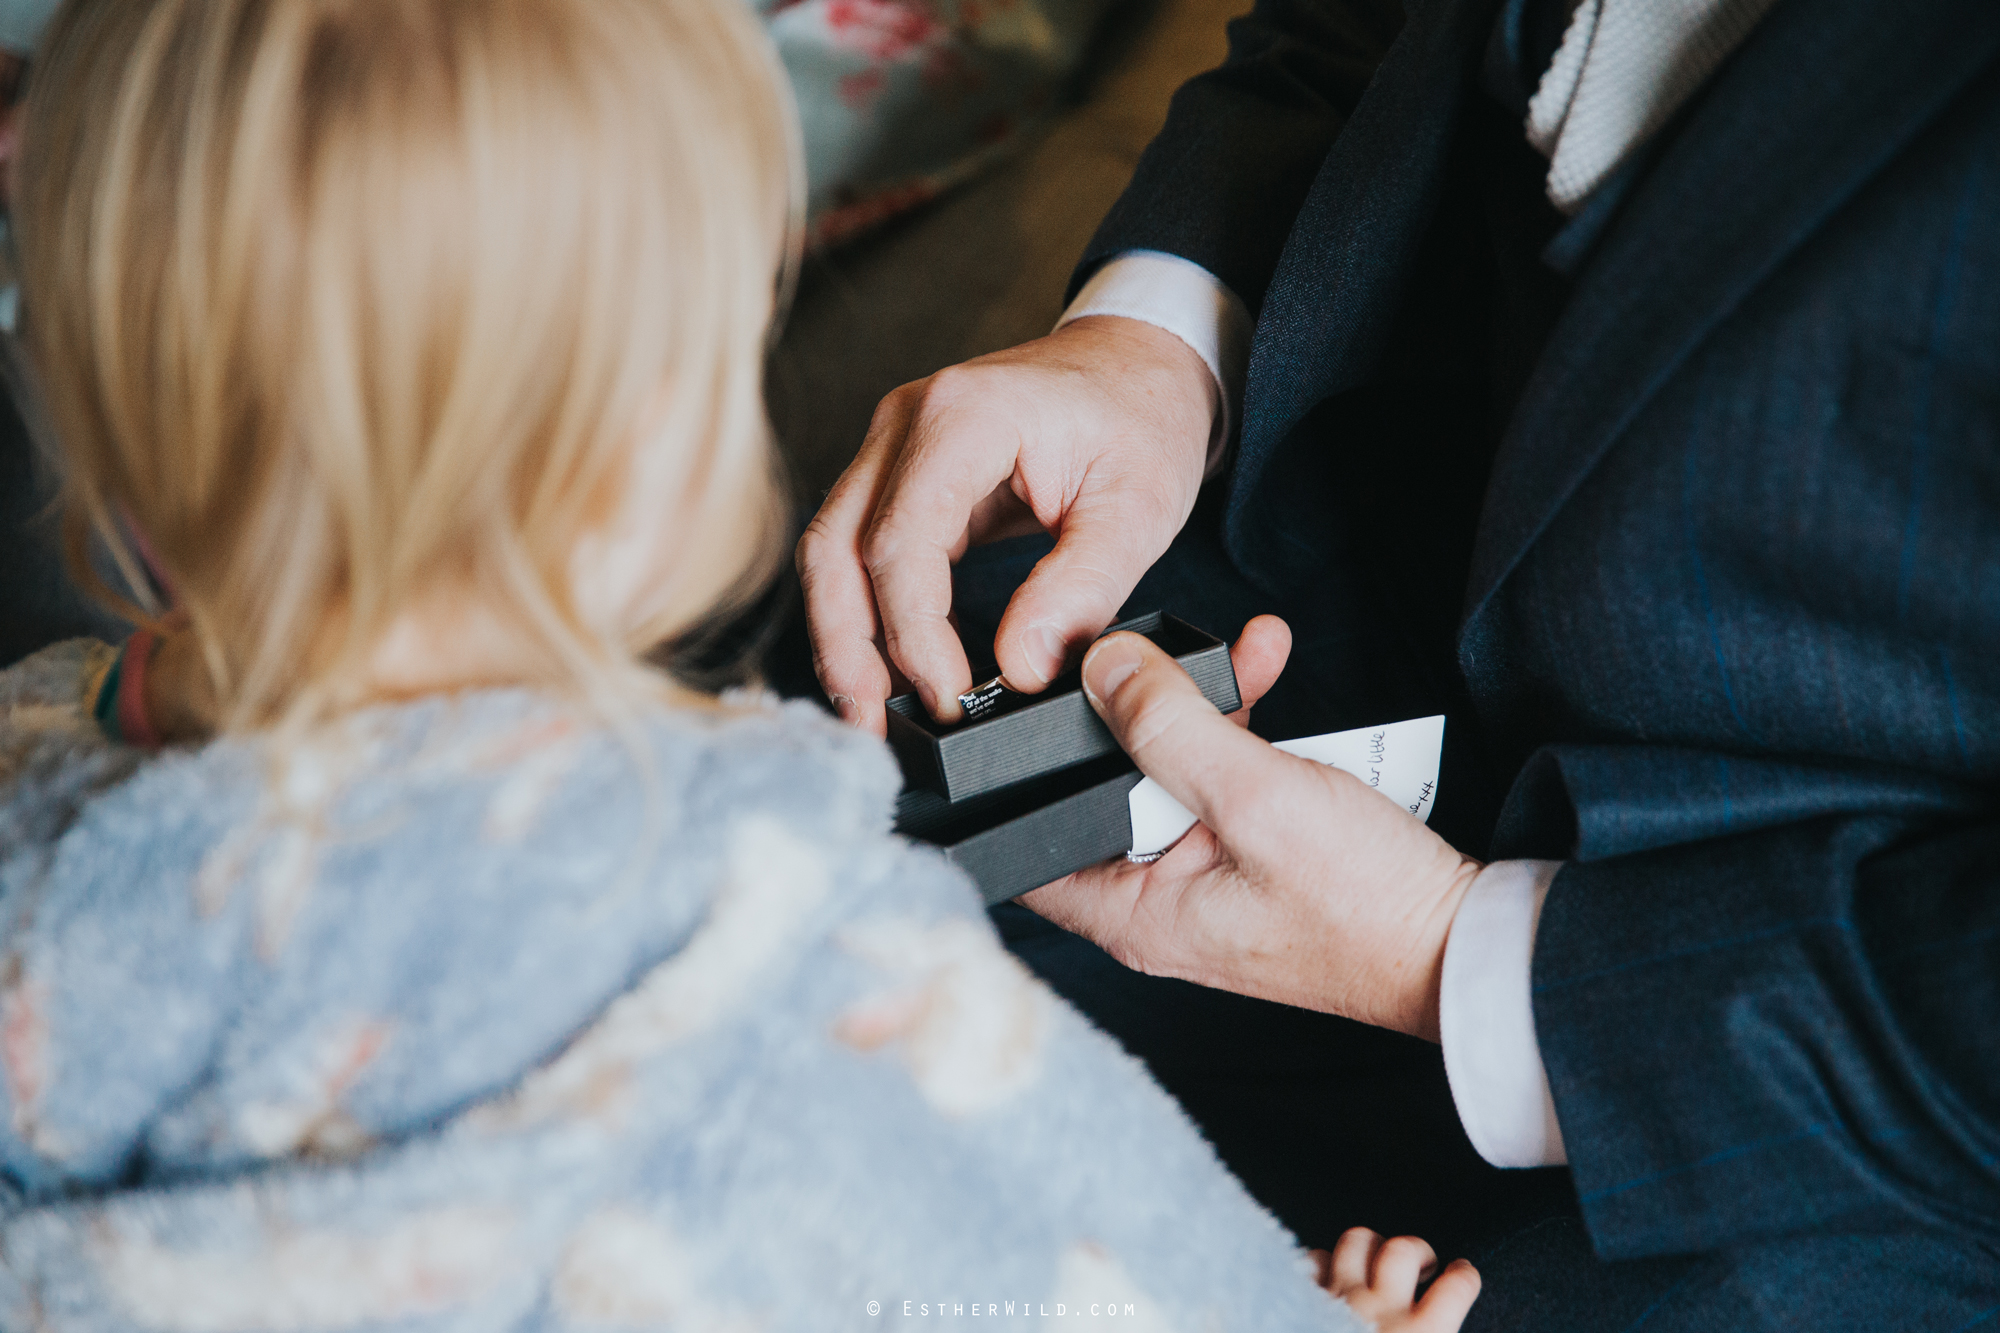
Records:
x=1399, y=759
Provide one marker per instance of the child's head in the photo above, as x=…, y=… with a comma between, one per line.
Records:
x=360, y=311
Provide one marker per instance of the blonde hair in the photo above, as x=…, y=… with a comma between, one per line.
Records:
x=345, y=304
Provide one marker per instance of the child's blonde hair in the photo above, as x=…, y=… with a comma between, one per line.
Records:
x=346, y=304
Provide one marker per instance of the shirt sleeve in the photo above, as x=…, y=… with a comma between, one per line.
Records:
x=1487, y=1020
x=1191, y=303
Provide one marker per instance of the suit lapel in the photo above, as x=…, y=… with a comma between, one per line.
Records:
x=1819, y=99
x=1342, y=272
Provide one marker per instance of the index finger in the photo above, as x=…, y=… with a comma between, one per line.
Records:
x=841, y=618
x=951, y=462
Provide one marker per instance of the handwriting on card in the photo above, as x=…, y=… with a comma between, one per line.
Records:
x=1400, y=760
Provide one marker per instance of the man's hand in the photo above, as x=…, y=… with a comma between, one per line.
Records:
x=1096, y=433
x=1301, y=884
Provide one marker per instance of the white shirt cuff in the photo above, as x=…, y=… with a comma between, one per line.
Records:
x=1191, y=303
x=1486, y=1016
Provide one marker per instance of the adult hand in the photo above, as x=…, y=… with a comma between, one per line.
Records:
x=1300, y=884
x=1096, y=433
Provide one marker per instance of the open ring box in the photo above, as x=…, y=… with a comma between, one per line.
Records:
x=1036, y=788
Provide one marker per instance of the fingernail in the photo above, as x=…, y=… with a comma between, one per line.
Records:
x=929, y=699
x=1107, y=668
x=846, y=707
x=1045, y=651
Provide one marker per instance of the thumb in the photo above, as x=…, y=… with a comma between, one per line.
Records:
x=1215, y=768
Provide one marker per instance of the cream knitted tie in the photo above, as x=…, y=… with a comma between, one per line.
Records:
x=1623, y=69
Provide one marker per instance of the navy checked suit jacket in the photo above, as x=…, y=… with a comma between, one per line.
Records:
x=1722, y=516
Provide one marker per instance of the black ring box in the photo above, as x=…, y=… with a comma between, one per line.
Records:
x=1037, y=788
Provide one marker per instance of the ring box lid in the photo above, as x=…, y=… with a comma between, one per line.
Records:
x=1032, y=735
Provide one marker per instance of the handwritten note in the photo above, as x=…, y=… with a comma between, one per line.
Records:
x=1398, y=759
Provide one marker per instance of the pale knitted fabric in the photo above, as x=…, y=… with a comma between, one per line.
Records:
x=1624, y=68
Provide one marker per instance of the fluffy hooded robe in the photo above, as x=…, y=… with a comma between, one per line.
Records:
x=471, y=1013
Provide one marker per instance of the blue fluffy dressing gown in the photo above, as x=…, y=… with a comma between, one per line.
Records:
x=472, y=1014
